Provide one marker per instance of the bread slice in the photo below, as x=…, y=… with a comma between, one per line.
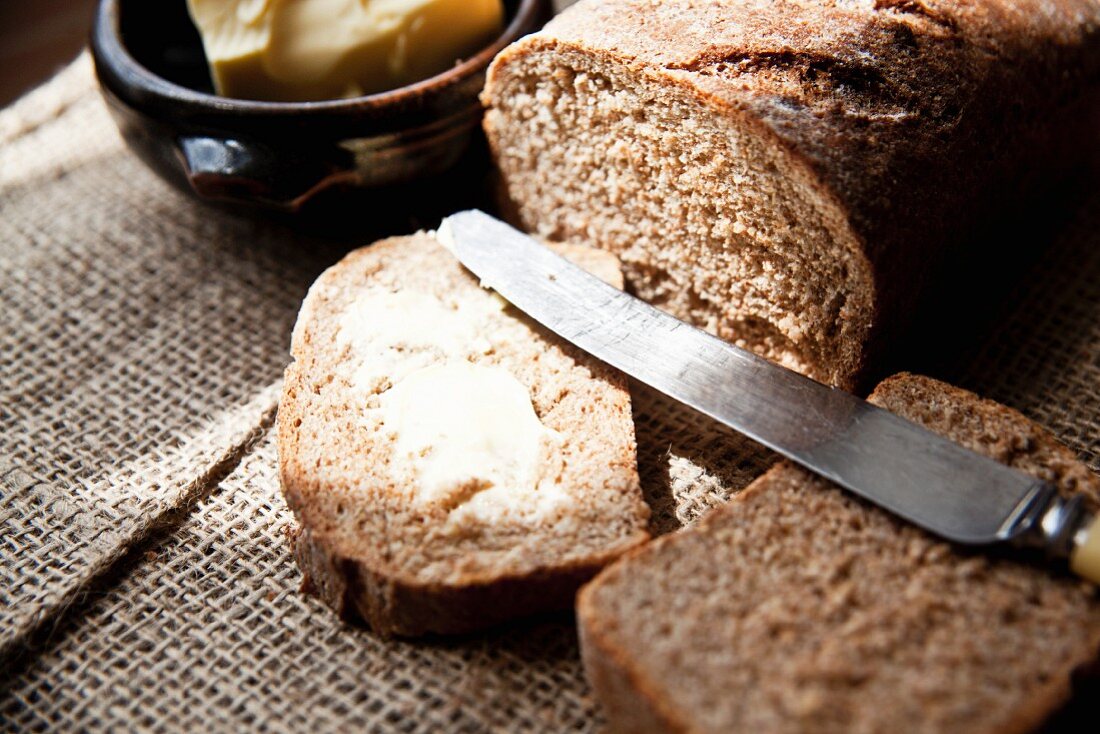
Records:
x=798, y=608
x=787, y=174
x=501, y=511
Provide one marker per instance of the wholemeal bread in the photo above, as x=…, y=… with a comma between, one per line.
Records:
x=798, y=608
x=501, y=510
x=787, y=174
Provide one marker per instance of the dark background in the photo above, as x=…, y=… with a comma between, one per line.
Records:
x=38, y=37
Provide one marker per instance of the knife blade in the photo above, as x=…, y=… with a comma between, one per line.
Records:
x=916, y=474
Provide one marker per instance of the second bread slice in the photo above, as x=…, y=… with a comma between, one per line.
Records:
x=799, y=608
x=451, y=464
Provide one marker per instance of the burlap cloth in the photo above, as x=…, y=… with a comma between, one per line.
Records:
x=145, y=578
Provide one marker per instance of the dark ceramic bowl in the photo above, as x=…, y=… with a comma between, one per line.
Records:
x=279, y=155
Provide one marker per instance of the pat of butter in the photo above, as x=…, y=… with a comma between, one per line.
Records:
x=302, y=50
x=391, y=334
x=474, y=443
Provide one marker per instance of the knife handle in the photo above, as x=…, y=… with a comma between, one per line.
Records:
x=1064, y=528
x=1085, y=557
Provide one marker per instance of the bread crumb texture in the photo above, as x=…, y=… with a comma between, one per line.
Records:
x=788, y=174
x=797, y=607
x=410, y=558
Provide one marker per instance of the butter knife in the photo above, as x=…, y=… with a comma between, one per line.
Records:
x=913, y=473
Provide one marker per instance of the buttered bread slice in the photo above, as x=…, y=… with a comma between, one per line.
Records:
x=451, y=463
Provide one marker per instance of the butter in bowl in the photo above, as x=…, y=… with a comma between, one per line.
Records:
x=313, y=50
x=270, y=103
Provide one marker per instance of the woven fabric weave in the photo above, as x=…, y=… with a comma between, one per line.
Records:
x=208, y=631
x=146, y=581
x=141, y=341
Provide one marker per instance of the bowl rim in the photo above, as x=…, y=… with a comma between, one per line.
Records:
x=130, y=75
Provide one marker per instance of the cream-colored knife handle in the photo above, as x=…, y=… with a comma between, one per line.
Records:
x=1085, y=558
x=1064, y=528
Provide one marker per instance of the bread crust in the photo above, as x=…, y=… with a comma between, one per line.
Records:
x=369, y=587
x=920, y=117
x=629, y=699
x=393, y=605
x=633, y=699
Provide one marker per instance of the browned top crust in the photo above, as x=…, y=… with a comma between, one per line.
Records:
x=925, y=83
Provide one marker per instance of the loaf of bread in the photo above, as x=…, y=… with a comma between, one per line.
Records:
x=799, y=608
x=451, y=464
x=787, y=174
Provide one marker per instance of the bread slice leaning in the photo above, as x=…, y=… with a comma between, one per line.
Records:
x=798, y=608
x=508, y=507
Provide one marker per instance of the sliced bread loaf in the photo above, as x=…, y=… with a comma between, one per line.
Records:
x=451, y=463
x=786, y=174
x=798, y=608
